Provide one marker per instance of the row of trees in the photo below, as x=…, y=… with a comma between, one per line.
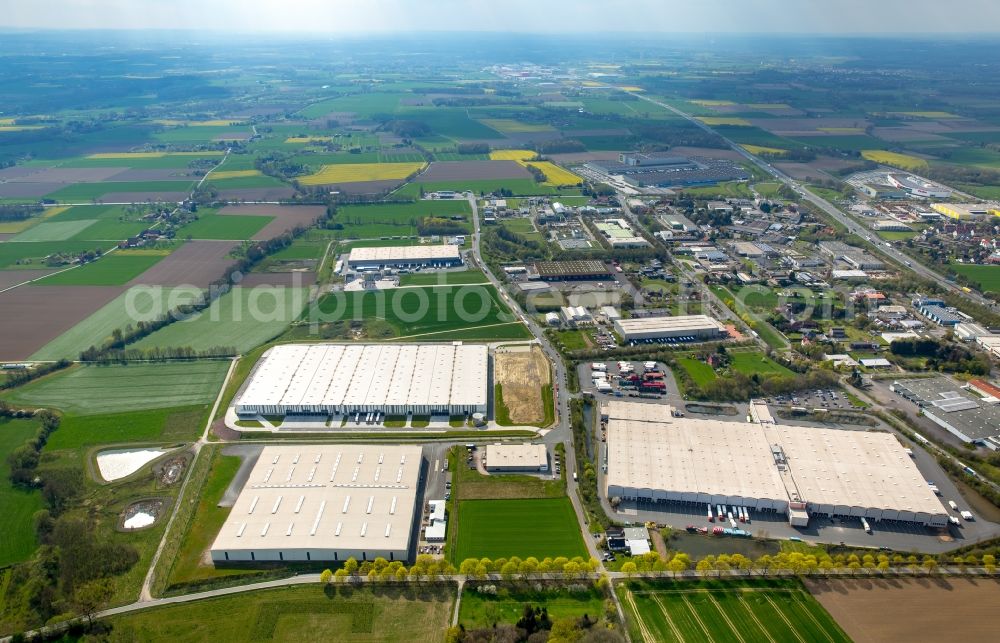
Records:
x=429, y=568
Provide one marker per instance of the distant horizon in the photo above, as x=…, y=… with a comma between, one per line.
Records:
x=886, y=18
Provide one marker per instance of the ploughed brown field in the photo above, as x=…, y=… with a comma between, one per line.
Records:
x=911, y=609
x=275, y=193
x=10, y=278
x=196, y=263
x=472, y=170
x=286, y=217
x=35, y=315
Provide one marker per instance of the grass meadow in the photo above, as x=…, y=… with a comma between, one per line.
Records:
x=114, y=269
x=17, y=533
x=536, y=527
x=174, y=424
x=986, y=277
x=483, y=610
x=91, y=390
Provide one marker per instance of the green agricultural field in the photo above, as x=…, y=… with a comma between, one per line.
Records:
x=242, y=318
x=731, y=610
x=89, y=390
x=483, y=610
x=845, y=142
x=243, y=182
x=81, y=192
x=756, y=362
x=54, y=230
x=139, y=303
x=520, y=187
x=305, y=613
x=179, y=424
x=987, y=278
x=111, y=270
x=523, y=227
x=32, y=255
x=227, y=226
x=418, y=311
x=699, y=372
x=363, y=105
x=536, y=527
x=976, y=156
x=17, y=533
x=458, y=278
x=396, y=219
x=732, y=189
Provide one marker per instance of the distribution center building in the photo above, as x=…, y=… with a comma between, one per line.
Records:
x=441, y=256
x=694, y=326
x=394, y=379
x=516, y=457
x=325, y=503
x=798, y=471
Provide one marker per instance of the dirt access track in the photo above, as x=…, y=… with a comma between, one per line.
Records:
x=911, y=609
x=522, y=372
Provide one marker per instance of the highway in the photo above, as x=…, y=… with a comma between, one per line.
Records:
x=881, y=247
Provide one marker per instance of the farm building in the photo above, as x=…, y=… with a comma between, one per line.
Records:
x=359, y=378
x=568, y=270
x=438, y=256
x=799, y=471
x=516, y=457
x=324, y=502
x=693, y=326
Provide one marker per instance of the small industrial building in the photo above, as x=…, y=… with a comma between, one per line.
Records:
x=436, y=529
x=966, y=416
x=584, y=269
x=324, y=503
x=940, y=315
x=375, y=258
x=891, y=225
x=794, y=470
x=393, y=379
x=576, y=316
x=619, y=234
x=507, y=458
x=696, y=327
x=970, y=332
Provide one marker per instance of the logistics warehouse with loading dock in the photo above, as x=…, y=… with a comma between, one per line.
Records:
x=684, y=326
x=373, y=258
x=793, y=470
x=394, y=379
x=324, y=503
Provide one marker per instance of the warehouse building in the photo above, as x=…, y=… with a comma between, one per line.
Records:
x=376, y=258
x=393, y=379
x=966, y=416
x=585, y=269
x=966, y=211
x=689, y=327
x=792, y=470
x=324, y=503
x=507, y=458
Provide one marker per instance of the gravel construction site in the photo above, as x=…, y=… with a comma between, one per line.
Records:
x=522, y=372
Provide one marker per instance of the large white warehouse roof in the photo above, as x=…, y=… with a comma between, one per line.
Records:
x=324, y=500
x=838, y=472
x=694, y=324
x=405, y=254
x=335, y=378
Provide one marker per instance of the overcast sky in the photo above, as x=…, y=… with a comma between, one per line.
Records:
x=526, y=16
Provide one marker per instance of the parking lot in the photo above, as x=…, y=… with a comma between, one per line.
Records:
x=818, y=399
x=611, y=382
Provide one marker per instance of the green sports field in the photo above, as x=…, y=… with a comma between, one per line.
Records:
x=739, y=611
x=536, y=527
x=89, y=390
x=17, y=535
x=242, y=318
x=305, y=613
x=111, y=270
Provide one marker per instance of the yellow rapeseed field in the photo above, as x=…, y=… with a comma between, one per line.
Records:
x=705, y=102
x=768, y=105
x=760, y=149
x=6, y=121
x=147, y=155
x=13, y=227
x=512, y=126
x=929, y=114
x=895, y=159
x=234, y=174
x=724, y=120
x=19, y=128
x=631, y=88
x=513, y=155
x=356, y=172
x=308, y=139
x=554, y=174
